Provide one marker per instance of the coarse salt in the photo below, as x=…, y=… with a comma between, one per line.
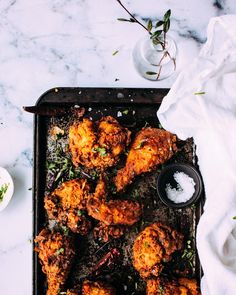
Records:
x=185, y=188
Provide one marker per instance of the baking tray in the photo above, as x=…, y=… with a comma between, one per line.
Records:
x=133, y=108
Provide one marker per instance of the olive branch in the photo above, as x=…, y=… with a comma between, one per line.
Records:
x=157, y=34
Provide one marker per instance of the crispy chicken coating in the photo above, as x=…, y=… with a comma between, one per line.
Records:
x=97, y=288
x=150, y=148
x=182, y=286
x=108, y=232
x=113, y=215
x=115, y=212
x=56, y=253
x=65, y=203
x=154, y=246
x=97, y=145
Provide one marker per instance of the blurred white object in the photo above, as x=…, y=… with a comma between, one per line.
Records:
x=202, y=104
x=6, y=179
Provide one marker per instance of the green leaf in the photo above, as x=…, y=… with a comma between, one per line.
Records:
x=80, y=213
x=199, y=93
x=125, y=112
x=143, y=141
x=234, y=217
x=150, y=73
x=3, y=190
x=149, y=25
x=131, y=20
x=123, y=19
x=167, y=15
x=59, y=251
x=102, y=151
x=166, y=26
x=156, y=34
x=159, y=23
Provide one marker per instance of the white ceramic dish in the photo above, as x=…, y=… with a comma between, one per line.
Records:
x=5, y=178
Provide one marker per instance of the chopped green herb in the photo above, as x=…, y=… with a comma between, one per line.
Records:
x=3, y=190
x=65, y=230
x=161, y=290
x=102, y=151
x=140, y=145
x=80, y=213
x=125, y=112
x=59, y=251
x=115, y=52
x=234, y=217
x=199, y=93
x=30, y=189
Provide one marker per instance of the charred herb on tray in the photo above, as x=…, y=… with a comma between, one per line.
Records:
x=157, y=34
x=59, y=164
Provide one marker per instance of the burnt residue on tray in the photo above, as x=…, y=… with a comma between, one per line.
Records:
x=112, y=261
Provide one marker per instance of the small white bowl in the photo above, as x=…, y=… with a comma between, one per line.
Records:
x=5, y=177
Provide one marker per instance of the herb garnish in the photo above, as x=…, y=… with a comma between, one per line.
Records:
x=234, y=217
x=102, y=151
x=59, y=165
x=59, y=251
x=80, y=213
x=161, y=290
x=3, y=190
x=140, y=144
x=125, y=112
x=189, y=253
x=115, y=52
x=199, y=93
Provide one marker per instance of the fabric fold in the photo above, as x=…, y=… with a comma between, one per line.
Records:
x=202, y=104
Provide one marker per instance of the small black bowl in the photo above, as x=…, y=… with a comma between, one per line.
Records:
x=167, y=176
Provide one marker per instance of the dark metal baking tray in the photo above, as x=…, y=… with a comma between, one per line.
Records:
x=135, y=108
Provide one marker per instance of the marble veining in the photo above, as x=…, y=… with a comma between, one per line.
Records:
x=45, y=44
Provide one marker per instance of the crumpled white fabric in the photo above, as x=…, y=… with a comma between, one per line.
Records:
x=210, y=119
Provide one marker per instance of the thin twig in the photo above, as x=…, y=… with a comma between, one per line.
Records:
x=133, y=17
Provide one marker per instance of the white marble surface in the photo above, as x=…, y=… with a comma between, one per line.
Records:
x=44, y=44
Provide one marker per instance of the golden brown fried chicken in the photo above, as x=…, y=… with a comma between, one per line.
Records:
x=56, y=253
x=151, y=147
x=115, y=212
x=97, y=145
x=65, y=203
x=108, y=232
x=154, y=246
x=113, y=215
x=183, y=286
x=97, y=288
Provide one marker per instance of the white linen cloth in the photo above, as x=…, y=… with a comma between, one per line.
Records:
x=210, y=118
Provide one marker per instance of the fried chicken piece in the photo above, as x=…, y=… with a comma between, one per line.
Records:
x=182, y=286
x=150, y=148
x=115, y=212
x=108, y=232
x=97, y=145
x=72, y=292
x=153, y=247
x=97, y=288
x=65, y=203
x=56, y=253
